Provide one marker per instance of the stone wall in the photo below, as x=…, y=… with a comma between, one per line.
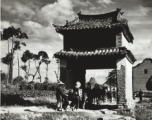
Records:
x=140, y=78
x=124, y=82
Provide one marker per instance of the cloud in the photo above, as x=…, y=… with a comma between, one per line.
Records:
x=6, y=24
x=38, y=31
x=139, y=11
x=92, y=10
x=106, y=2
x=56, y=13
x=139, y=22
x=142, y=48
x=82, y=3
x=16, y=8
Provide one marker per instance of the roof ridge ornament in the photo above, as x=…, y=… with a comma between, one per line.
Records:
x=67, y=22
x=79, y=13
x=118, y=9
x=121, y=13
x=54, y=25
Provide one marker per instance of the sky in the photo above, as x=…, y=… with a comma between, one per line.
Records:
x=35, y=17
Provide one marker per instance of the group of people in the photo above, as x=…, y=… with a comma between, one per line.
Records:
x=74, y=97
x=67, y=98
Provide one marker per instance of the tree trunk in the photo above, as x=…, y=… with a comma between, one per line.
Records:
x=29, y=66
x=8, y=67
x=47, y=71
x=11, y=77
x=18, y=64
x=39, y=74
x=10, y=72
x=35, y=73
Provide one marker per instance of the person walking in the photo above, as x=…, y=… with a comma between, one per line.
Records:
x=61, y=94
x=140, y=95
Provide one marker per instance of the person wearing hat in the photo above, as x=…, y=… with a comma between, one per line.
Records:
x=76, y=96
x=61, y=93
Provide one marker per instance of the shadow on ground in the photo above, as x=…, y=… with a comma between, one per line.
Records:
x=97, y=107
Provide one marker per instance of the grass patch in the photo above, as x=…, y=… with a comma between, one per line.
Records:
x=49, y=116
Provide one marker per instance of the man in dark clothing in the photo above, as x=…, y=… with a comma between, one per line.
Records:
x=140, y=95
x=61, y=94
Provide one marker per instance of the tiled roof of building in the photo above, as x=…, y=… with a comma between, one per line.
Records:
x=93, y=53
x=108, y=20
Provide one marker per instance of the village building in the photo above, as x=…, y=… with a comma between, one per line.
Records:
x=97, y=42
x=141, y=74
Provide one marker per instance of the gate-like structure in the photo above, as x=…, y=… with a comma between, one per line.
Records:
x=97, y=42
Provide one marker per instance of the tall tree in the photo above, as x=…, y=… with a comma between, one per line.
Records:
x=17, y=46
x=12, y=33
x=26, y=58
x=41, y=57
x=112, y=78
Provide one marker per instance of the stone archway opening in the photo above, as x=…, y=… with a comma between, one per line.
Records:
x=106, y=79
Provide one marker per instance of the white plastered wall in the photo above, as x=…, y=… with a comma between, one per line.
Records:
x=128, y=80
x=125, y=43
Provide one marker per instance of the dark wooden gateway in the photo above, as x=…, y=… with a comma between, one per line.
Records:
x=97, y=42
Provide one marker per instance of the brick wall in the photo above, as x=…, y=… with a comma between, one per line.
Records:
x=140, y=78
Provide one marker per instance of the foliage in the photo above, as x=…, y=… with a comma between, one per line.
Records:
x=3, y=76
x=11, y=31
x=30, y=87
x=27, y=55
x=17, y=80
x=7, y=59
x=142, y=113
x=28, y=93
x=17, y=45
x=38, y=86
x=149, y=84
x=112, y=78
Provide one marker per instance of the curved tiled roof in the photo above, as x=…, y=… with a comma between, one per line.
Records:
x=93, y=53
x=105, y=21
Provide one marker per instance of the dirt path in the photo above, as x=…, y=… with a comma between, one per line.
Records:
x=37, y=111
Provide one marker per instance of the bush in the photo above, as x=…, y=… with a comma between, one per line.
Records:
x=4, y=77
x=17, y=80
x=38, y=86
x=23, y=85
x=52, y=86
x=30, y=87
x=143, y=114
